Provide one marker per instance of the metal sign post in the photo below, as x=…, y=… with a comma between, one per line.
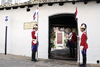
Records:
x=6, y=20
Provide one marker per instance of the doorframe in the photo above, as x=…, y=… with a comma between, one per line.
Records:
x=49, y=26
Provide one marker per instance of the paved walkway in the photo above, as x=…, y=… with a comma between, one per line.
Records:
x=21, y=61
x=62, y=53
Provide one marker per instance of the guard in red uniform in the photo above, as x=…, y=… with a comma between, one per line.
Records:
x=71, y=42
x=34, y=34
x=84, y=45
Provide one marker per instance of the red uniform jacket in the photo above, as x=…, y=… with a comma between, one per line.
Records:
x=33, y=37
x=84, y=40
x=73, y=37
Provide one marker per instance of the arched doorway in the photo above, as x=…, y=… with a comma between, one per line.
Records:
x=61, y=23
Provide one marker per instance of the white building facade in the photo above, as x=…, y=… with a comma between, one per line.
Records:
x=19, y=39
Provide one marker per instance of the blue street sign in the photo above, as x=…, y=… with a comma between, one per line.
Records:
x=6, y=18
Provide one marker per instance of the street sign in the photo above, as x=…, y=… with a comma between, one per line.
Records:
x=6, y=20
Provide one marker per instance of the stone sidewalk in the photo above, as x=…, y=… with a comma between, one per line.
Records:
x=22, y=61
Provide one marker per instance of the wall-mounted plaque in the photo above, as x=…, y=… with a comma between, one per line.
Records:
x=59, y=38
x=29, y=25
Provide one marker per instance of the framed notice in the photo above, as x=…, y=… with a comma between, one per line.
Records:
x=59, y=38
x=29, y=25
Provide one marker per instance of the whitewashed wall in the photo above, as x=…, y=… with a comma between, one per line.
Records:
x=19, y=40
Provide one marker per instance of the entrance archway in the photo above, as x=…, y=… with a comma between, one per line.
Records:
x=61, y=22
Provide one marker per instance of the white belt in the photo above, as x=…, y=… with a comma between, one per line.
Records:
x=33, y=39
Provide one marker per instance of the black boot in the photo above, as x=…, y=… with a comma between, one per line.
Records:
x=84, y=61
x=70, y=52
x=73, y=54
x=33, y=56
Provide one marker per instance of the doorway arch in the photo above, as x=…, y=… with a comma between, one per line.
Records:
x=61, y=20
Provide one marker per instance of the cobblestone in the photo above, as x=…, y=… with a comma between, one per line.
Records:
x=22, y=61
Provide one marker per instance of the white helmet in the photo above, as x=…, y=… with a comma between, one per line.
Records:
x=83, y=25
x=35, y=26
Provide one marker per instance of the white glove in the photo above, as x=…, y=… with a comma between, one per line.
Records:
x=34, y=41
x=68, y=38
x=81, y=48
